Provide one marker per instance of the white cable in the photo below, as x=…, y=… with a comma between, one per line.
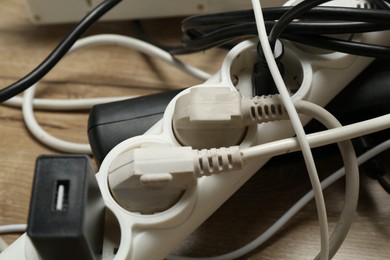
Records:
x=143, y=47
x=272, y=230
x=352, y=181
x=13, y=228
x=110, y=39
x=64, y=104
x=319, y=139
x=352, y=175
x=38, y=132
x=298, y=128
x=70, y=147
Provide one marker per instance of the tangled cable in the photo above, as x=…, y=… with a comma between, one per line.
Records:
x=207, y=31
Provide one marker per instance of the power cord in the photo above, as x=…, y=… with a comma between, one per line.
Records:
x=143, y=35
x=294, y=13
x=206, y=31
x=351, y=47
x=323, y=14
x=42, y=69
x=125, y=41
x=374, y=168
x=382, y=4
x=283, y=220
x=297, y=125
x=103, y=39
x=12, y=228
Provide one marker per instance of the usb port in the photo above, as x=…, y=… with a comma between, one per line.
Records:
x=61, y=195
x=66, y=219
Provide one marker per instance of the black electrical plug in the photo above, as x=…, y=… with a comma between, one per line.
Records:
x=262, y=81
x=374, y=168
x=111, y=123
x=66, y=218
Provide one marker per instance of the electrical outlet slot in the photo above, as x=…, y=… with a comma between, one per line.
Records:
x=137, y=198
x=61, y=197
x=297, y=73
x=293, y=72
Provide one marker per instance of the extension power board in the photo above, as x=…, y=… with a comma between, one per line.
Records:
x=66, y=11
x=132, y=235
x=138, y=230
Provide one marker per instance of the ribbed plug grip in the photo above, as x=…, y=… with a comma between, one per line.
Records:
x=262, y=109
x=214, y=161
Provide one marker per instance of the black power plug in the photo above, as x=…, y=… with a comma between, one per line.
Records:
x=66, y=218
x=111, y=123
x=262, y=81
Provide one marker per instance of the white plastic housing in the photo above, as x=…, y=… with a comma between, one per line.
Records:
x=65, y=11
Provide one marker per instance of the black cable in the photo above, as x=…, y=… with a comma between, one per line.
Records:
x=325, y=27
x=56, y=55
x=197, y=40
x=374, y=167
x=203, y=41
x=272, y=14
x=382, y=4
x=289, y=16
x=209, y=28
x=179, y=49
x=356, y=48
x=383, y=182
x=143, y=35
x=300, y=27
x=199, y=21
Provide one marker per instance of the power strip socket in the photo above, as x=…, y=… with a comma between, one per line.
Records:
x=320, y=78
x=60, y=11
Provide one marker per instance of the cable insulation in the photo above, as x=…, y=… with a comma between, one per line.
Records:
x=288, y=215
x=70, y=147
x=298, y=128
x=56, y=55
x=13, y=228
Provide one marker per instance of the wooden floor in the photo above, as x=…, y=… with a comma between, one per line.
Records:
x=114, y=71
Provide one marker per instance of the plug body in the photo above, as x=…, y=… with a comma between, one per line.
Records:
x=152, y=179
x=210, y=117
x=66, y=217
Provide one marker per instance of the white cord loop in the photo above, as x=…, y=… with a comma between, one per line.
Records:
x=125, y=41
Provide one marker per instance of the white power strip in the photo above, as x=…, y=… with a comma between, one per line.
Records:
x=64, y=11
x=144, y=236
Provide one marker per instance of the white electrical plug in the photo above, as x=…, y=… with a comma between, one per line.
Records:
x=151, y=179
x=218, y=117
